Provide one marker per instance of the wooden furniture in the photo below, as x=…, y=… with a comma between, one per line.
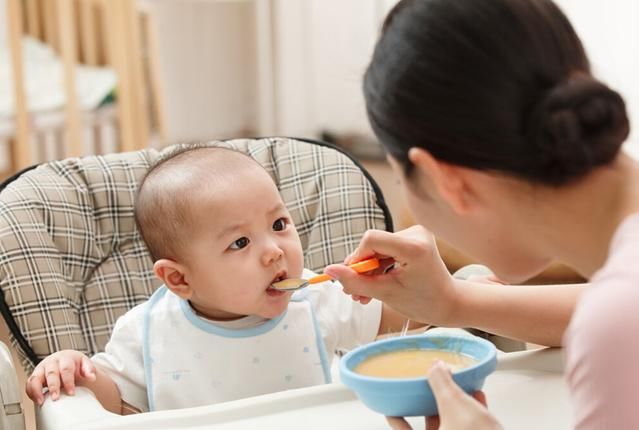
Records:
x=115, y=33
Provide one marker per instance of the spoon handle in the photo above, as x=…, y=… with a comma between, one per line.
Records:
x=359, y=267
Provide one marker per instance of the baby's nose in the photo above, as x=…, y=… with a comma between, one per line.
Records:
x=272, y=254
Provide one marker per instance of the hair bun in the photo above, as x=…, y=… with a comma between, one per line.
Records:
x=579, y=124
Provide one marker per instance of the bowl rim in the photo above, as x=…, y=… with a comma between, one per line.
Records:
x=345, y=371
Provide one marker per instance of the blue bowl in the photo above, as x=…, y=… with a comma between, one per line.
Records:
x=407, y=397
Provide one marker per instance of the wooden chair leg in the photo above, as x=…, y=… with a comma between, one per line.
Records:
x=21, y=149
x=33, y=18
x=68, y=47
x=155, y=80
x=88, y=29
x=50, y=24
x=136, y=69
x=117, y=55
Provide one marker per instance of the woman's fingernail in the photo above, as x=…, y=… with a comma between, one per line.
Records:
x=438, y=364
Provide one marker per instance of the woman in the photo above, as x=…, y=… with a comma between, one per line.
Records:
x=509, y=149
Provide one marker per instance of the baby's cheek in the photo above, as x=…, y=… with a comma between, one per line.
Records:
x=242, y=296
x=299, y=259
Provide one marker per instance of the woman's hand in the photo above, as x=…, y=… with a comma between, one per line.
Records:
x=418, y=286
x=457, y=410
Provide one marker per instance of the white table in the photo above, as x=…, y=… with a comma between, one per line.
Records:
x=526, y=392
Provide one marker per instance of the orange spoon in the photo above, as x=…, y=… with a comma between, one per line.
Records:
x=292, y=284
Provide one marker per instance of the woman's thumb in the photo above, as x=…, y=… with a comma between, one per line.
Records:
x=345, y=275
x=342, y=273
x=444, y=387
x=351, y=281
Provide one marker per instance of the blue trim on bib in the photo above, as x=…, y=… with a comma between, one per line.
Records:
x=146, y=357
x=211, y=327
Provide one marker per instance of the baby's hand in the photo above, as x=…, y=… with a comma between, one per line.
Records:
x=61, y=369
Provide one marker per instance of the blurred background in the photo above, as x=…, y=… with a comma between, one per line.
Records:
x=96, y=76
x=81, y=77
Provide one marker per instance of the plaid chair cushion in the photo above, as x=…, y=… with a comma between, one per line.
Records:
x=72, y=261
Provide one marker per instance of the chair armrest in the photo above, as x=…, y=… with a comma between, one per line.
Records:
x=77, y=411
x=543, y=359
x=11, y=415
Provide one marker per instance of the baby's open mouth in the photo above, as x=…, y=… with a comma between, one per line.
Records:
x=279, y=276
x=273, y=292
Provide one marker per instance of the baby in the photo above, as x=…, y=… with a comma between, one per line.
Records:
x=219, y=235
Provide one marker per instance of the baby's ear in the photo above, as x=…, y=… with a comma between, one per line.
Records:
x=173, y=276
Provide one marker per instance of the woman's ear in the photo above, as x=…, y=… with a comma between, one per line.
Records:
x=453, y=182
x=173, y=276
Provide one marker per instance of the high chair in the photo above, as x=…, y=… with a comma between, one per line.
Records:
x=72, y=261
x=115, y=34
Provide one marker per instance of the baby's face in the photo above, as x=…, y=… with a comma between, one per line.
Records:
x=244, y=240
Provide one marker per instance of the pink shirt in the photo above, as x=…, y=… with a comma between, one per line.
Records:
x=602, y=341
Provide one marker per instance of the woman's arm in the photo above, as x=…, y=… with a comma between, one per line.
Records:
x=421, y=288
x=531, y=313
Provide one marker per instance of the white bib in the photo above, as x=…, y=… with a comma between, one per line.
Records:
x=190, y=361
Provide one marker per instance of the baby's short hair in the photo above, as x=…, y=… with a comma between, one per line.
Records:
x=163, y=212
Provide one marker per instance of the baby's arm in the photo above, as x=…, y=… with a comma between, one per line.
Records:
x=66, y=369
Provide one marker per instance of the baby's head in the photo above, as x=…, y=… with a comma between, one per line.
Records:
x=218, y=231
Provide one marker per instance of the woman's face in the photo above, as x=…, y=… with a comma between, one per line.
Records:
x=496, y=229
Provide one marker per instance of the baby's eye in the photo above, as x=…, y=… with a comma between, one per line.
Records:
x=280, y=224
x=240, y=243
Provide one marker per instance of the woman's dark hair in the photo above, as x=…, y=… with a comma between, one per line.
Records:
x=501, y=85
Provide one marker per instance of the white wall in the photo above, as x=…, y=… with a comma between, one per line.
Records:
x=322, y=49
x=294, y=67
x=209, y=65
x=3, y=22
x=289, y=67
x=324, y=46
x=610, y=32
